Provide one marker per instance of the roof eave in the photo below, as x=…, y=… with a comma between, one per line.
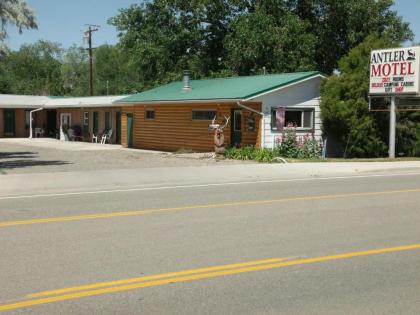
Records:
x=283, y=86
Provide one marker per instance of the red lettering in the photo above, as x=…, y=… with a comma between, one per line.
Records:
x=399, y=89
x=403, y=70
x=386, y=80
x=394, y=68
x=386, y=70
x=410, y=69
x=376, y=71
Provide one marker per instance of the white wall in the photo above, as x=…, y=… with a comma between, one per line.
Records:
x=305, y=94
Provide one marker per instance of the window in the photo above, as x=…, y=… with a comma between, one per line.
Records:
x=301, y=118
x=150, y=114
x=203, y=114
x=108, y=122
x=85, y=118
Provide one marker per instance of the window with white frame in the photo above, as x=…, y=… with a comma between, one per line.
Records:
x=301, y=118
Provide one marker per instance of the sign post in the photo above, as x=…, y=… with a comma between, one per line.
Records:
x=392, y=128
x=394, y=72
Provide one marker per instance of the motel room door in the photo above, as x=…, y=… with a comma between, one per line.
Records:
x=118, y=128
x=9, y=122
x=129, y=130
x=236, y=127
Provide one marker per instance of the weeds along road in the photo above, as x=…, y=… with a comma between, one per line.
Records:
x=304, y=246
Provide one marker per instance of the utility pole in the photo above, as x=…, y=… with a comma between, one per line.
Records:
x=88, y=38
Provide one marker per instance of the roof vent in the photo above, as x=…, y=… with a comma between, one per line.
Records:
x=186, y=80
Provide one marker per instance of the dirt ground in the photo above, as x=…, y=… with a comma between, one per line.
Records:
x=39, y=156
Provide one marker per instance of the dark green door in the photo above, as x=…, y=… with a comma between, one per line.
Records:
x=95, y=123
x=86, y=125
x=52, y=123
x=129, y=130
x=118, y=128
x=9, y=122
x=236, y=127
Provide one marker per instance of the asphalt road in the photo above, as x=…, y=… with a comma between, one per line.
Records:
x=344, y=245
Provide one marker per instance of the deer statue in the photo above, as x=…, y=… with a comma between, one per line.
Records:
x=219, y=138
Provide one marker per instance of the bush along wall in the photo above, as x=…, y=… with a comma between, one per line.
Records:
x=291, y=146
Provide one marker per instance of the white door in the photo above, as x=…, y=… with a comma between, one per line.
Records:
x=65, y=119
x=65, y=123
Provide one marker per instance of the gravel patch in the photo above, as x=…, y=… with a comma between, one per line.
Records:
x=26, y=156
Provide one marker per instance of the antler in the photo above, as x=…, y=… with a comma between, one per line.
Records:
x=226, y=123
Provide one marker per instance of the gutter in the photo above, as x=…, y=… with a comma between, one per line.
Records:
x=30, y=120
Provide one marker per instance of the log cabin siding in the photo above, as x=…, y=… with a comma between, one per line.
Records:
x=173, y=127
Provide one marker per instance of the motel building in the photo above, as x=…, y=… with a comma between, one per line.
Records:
x=176, y=115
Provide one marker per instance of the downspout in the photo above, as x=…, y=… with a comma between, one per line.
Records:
x=30, y=120
x=261, y=121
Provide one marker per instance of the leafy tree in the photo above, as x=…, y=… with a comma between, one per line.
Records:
x=74, y=71
x=259, y=39
x=341, y=25
x=112, y=71
x=344, y=108
x=33, y=69
x=17, y=13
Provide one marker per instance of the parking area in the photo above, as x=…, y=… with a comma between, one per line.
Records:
x=49, y=155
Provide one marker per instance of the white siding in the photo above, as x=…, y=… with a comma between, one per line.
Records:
x=301, y=95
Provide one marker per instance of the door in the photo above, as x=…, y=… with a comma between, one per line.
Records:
x=86, y=125
x=65, y=120
x=9, y=122
x=129, y=130
x=236, y=127
x=118, y=128
x=95, y=123
x=52, y=123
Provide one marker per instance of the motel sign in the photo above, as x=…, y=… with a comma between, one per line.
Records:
x=395, y=71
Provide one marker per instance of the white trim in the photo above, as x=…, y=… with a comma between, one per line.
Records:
x=30, y=120
x=284, y=87
x=249, y=109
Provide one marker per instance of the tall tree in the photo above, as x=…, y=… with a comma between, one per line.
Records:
x=33, y=69
x=112, y=71
x=17, y=13
x=74, y=71
x=344, y=105
x=341, y=25
x=261, y=40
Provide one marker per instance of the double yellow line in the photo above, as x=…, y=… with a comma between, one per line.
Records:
x=183, y=276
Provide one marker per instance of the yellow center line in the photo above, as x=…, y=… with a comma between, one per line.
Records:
x=154, y=277
x=4, y=224
x=241, y=268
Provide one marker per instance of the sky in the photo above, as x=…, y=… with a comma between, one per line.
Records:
x=64, y=21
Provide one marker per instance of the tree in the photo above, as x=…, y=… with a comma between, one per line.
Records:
x=345, y=113
x=17, y=13
x=74, y=71
x=341, y=25
x=33, y=69
x=259, y=39
x=113, y=73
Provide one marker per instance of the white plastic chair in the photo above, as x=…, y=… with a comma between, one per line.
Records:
x=94, y=138
x=106, y=137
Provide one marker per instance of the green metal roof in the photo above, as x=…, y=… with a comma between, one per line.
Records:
x=235, y=88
